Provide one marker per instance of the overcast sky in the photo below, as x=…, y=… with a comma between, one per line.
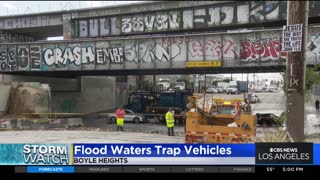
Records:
x=25, y=7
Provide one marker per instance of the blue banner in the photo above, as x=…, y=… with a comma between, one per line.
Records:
x=316, y=154
x=50, y=169
x=164, y=150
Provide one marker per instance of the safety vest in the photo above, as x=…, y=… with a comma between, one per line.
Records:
x=169, y=119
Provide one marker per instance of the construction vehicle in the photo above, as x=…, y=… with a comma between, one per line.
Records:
x=163, y=84
x=181, y=85
x=156, y=104
x=216, y=120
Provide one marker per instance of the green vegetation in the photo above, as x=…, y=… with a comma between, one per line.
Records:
x=281, y=119
x=312, y=77
x=279, y=135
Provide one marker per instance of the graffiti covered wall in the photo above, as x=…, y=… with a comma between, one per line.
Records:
x=14, y=37
x=245, y=49
x=183, y=19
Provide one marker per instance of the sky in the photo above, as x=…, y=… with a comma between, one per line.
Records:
x=21, y=7
x=256, y=76
x=26, y=7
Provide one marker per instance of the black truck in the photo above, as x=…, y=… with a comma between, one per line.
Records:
x=156, y=104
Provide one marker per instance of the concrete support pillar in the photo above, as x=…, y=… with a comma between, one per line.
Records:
x=67, y=28
x=121, y=90
x=140, y=80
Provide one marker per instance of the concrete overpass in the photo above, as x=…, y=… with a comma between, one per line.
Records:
x=57, y=23
x=155, y=38
x=179, y=16
x=227, y=52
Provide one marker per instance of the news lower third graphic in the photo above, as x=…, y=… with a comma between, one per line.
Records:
x=163, y=154
x=164, y=158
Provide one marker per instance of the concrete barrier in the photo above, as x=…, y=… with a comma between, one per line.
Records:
x=4, y=98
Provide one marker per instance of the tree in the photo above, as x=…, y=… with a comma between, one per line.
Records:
x=312, y=78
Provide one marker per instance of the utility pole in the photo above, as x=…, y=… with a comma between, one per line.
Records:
x=297, y=14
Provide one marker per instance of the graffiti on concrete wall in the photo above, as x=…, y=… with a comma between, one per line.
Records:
x=14, y=37
x=109, y=55
x=262, y=47
x=3, y=58
x=245, y=49
x=264, y=50
x=12, y=60
x=23, y=57
x=313, y=47
x=147, y=51
x=183, y=19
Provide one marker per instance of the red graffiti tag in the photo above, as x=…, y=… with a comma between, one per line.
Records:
x=213, y=48
x=196, y=48
x=267, y=49
x=229, y=49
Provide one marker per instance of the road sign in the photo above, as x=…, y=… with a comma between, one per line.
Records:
x=216, y=63
x=292, y=38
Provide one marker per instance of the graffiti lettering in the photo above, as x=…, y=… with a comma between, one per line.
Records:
x=35, y=57
x=148, y=51
x=205, y=17
x=233, y=50
x=23, y=57
x=94, y=27
x=137, y=24
x=14, y=37
x=266, y=50
x=176, y=44
x=313, y=47
x=87, y=55
x=56, y=56
x=213, y=48
x=126, y=25
x=174, y=20
x=200, y=18
x=3, y=58
x=161, y=22
x=83, y=28
x=196, y=48
x=104, y=26
x=229, y=49
x=261, y=11
x=149, y=22
x=12, y=62
x=112, y=55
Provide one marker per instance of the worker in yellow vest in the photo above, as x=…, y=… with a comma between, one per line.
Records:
x=120, y=113
x=170, y=121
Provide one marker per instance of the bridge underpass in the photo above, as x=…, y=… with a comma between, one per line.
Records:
x=129, y=50
x=226, y=70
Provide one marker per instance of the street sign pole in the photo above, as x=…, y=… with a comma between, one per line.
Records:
x=297, y=15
